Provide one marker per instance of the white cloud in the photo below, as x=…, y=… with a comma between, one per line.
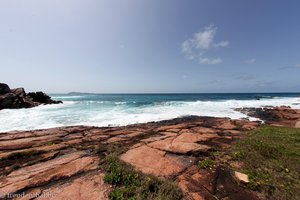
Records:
x=204, y=39
x=297, y=66
x=187, y=50
x=210, y=61
x=221, y=44
x=251, y=61
x=200, y=43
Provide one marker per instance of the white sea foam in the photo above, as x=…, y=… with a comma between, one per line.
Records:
x=80, y=113
x=67, y=97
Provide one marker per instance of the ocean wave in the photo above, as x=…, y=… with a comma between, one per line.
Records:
x=67, y=97
x=114, y=113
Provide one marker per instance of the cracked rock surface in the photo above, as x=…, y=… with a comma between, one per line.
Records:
x=62, y=163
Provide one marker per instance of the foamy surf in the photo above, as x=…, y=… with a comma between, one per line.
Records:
x=86, y=110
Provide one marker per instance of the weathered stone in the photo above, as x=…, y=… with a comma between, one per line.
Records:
x=193, y=190
x=88, y=187
x=184, y=143
x=200, y=129
x=170, y=134
x=27, y=142
x=7, y=100
x=153, y=161
x=115, y=139
x=4, y=88
x=225, y=124
x=175, y=128
x=17, y=98
x=241, y=177
x=297, y=125
x=274, y=115
x=64, y=160
x=41, y=97
x=19, y=92
x=41, y=173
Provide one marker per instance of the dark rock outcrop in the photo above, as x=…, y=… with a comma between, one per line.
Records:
x=279, y=116
x=17, y=98
x=4, y=88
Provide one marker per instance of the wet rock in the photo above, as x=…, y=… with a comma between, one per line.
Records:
x=17, y=98
x=42, y=98
x=282, y=115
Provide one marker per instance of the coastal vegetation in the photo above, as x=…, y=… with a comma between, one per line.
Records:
x=130, y=184
x=271, y=158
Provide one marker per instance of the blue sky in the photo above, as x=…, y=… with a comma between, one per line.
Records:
x=134, y=46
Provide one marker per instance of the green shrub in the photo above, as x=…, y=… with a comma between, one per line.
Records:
x=130, y=184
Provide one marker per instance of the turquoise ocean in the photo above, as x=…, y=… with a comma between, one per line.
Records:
x=124, y=109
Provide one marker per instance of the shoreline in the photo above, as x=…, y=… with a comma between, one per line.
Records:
x=252, y=114
x=63, y=159
x=104, y=111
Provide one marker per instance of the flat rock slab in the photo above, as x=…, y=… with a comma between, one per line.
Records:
x=184, y=143
x=27, y=142
x=153, y=161
x=65, y=164
x=88, y=187
x=39, y=174
x=297, y=125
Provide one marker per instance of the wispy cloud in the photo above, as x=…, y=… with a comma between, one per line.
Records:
x=222, y=44
x=297, y=66
x=195, y=48
x=210, y=61
x=250, y=61
x=245, y=77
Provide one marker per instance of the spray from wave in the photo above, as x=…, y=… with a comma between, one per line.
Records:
x=83, y=110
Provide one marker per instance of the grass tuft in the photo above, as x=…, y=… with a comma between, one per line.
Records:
x=205, y=164
x=130, y=184
x=271, y=157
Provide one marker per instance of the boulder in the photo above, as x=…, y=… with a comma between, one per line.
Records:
x=41, y=97
x=17, y=98
x=19, y=92
x=241, y=177
x=7, y=100
x=4, y=88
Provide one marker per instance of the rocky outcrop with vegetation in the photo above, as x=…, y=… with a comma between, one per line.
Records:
x=182, y=158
